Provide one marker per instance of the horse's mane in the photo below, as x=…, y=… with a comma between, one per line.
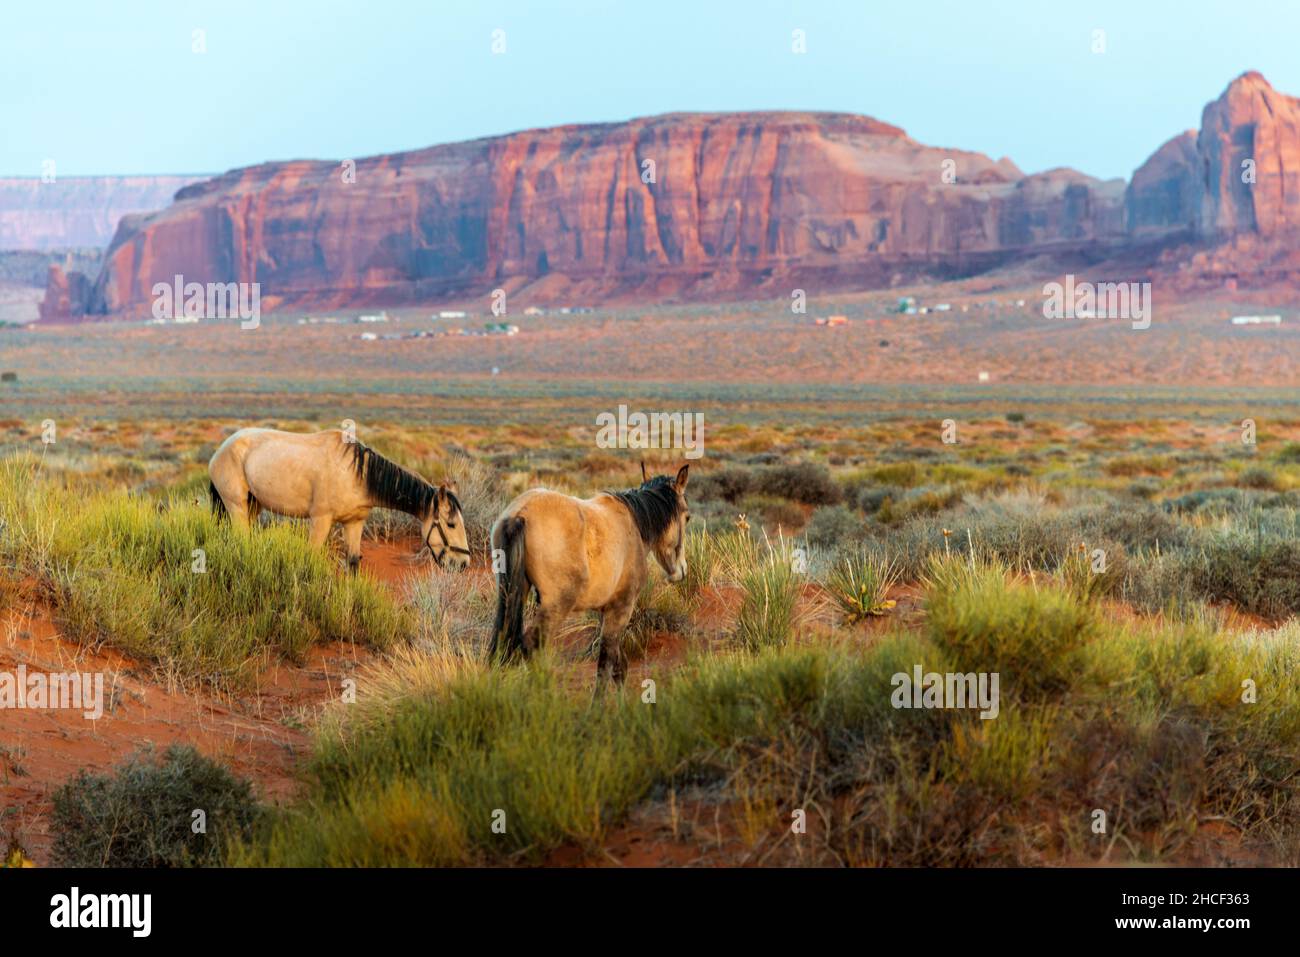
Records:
x=393, y=486
x=654, y=505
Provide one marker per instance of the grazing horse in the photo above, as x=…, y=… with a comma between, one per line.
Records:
x=584, y=555
x=328, y=477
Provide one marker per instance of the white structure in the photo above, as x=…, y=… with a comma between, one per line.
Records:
x=1257, y=320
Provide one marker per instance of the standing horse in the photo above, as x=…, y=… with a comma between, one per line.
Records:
x=328, y=477
x=584, y=555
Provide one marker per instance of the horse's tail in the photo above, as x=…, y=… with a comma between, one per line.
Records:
x=512, y=592
x=218, y=506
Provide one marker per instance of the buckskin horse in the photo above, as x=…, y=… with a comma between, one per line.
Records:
x=328, y=477
x=585, y=555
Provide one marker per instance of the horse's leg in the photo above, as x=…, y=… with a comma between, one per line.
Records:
x=238, y=512
x=352, y=537
x=612, y=664
x=320, y=530
x=552, y=609
x=233, y=490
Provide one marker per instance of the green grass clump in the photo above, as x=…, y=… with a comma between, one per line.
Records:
x=423, y=783
x=700, y=564
x=169, y=583
x=420, y=779
x=767, y=610
x=1031, y=635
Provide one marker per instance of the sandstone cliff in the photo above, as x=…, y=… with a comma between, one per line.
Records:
x=709, y=206
x=1239, y=175
x=676, y=206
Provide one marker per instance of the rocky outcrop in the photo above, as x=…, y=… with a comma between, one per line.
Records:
x=1240, y=175
x=77, y=211
x=709, y=206
x=1164, y=196
x=678, y=206
x=1250, y=155
x=67, y=295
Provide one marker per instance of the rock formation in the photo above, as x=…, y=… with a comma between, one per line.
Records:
x=705, y=206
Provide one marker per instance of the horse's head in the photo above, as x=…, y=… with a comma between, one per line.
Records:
x=670, y=545
x=443, y=529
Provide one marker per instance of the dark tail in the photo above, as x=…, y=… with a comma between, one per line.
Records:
x=218, y=506
x=512, y=592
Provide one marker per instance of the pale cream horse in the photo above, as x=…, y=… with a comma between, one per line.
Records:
x=329, y=477
x=584, y=555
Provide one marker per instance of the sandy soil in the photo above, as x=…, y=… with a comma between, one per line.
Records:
x=260, y=734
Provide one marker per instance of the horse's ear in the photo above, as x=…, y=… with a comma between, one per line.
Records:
x=644, y=478
x=450, y=486
x=682, y=476
x=442, y=501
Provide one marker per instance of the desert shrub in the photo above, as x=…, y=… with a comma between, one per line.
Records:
x=1145, y=488
x=1083, y=578
x=870, y=498
x=1259, y=575
x=901, y=474
x=1135, y=465
x=143, y=814
x=1030, y=635
x=1289, y=453
x=773, y=512
x=700, y=561
x=1134, y=527
x=860, y=585
x=452, y=612
x=832, y=525
x=926, y=500
x=808, y=483
x=728, y=483
x=1259, y=477
x=1158, y=582
x=661, y=607
x=482, y=499
x=1209, y=501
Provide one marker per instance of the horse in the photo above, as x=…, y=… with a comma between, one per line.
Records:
x=584, y=555
x=328, y=477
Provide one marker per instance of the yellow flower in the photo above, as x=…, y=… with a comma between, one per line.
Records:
x=17, y=858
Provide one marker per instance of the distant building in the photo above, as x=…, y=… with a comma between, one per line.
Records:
x=374, y=317
x=1257, y=320
x=451, y=314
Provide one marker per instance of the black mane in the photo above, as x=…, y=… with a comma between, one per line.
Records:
x=392, y=486
x=654, y=506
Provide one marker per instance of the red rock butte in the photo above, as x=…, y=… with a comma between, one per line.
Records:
x=701, y=206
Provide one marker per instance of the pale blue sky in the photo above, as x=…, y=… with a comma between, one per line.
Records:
x=113, y=87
